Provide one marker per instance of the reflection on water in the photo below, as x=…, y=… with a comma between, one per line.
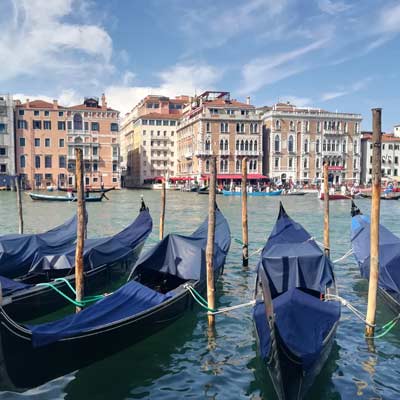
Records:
x=184, y=361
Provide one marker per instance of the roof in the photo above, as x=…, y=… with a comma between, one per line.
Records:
x=39, y=104
x=86, y=108
x=160, y=116
x=227, y=104
x=386, y=137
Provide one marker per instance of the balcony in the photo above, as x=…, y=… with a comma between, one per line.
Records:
x=338, y=153
x=78, y=132
x=333, y=132
x=248, y=153
x=224, y=152
x=203, y=153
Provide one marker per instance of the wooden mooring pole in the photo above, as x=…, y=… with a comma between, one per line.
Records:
x=162, y=214
x=80, y=240
x=19, y=205
x=374, y=226
x=245, y=229
x=327, y=248
x=210, y=239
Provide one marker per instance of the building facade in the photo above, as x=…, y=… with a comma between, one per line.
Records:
x=298, y=140
x=48, y=133
x=148, y=139
x=214, y=124
x=7, y=145
x=390, y=149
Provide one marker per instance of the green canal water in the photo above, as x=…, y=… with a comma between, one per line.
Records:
x=181, y=361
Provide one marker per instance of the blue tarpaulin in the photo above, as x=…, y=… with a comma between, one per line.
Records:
x=9, y=286
x=133, y=297
x=180, y=255
x=97, y=252
x=17, y=252
x=389, y=252
x=292, y=259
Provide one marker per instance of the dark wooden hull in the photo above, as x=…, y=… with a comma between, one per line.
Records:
x=87, y=190
x=291, y=381
x=45, y=197
x=37, y=301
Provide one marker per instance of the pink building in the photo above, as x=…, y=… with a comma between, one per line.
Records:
x=48, y=133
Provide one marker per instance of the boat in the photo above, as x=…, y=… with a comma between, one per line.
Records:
x=389, y=256
x=295, y=314
x=51, y=275
x=17, y=252
x=386, y=196
x=232, y=193
x=156, y=296
x=295, y=193
x=336, y=196
x=46, y=197
x=87, y=190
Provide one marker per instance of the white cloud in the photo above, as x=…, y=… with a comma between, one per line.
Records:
x=296, y=100
x=355, y=87
x=389, y=20
x=263, y=71
x=182, y=79
x=36, y=39
x=333, y=7
x=67, y=97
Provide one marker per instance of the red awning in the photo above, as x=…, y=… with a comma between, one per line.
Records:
x=236, y=176
x=181, y=178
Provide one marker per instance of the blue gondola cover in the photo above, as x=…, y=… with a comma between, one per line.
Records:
x=178, y=255
x=9, y=286
x=100, y=251
x=389, y=252
x=17, y=252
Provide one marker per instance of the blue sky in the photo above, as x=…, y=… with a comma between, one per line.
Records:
x=337, y=55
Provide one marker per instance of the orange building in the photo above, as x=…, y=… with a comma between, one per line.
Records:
x=48, y=133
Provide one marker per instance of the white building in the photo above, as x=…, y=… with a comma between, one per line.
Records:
x=390, y=155
x=7, y=146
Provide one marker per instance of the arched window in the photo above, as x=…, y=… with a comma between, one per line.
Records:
x=333, y=145
x=208, y=145
x=317, y=163
x=291, y=144
x=237, y=144
x=22, y=161
x=305, y=163
x=237, y=127
x=255, y=145
x=329, y=146
x=251, y=145
x=221, y=144
x=355, y=163
x=221, y=165
x=226, y=165
x=337, y=145
x=291, y=125
x=246, y=145
x=207, y=165
x=226, y=144
x=278, y=124
x=344, y=146
x=250, y=165
x=325, y=125
x=345, y=127
x=306, y=146
x=277, y=143
x=242, y=145
x=78, y=122
x=254, y=165
x=355, y=146
x=324, y=145
x=317, y=146
x=238, y=166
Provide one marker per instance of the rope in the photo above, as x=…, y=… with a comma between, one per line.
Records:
x=82, y=303
x=346, y=255
x=386, y=328
x=203, y=302
x=238, y=241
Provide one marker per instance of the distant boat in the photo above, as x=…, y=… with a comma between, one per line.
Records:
x=46, y=197
x=87, y=190
x=389, y=255
x=295, y=193
x=335, y=196
x=386, y=196
x=232, y=193
x=294, y=318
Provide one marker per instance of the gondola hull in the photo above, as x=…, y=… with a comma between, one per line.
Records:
x=45, y=197
x=37, y=301
x=87, y=190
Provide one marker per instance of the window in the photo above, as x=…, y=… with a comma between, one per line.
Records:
x=3, y=168
x=61, y=125
x=317, y=163
x=95, y=167
x=383, y=147
x=213, y=111
x=165, y=122
x=37, y=142
x=307, y=126
x=114, y=127
x=172, y=123
x=3, y=128
x=78, y=123
x=224, y=127
x=344, y=146
x=61, y=113
x=253, y=128
x=226, y=145
x=305, y=163
x=37, y=161
x=3, y=151
x=37, y=124
x=36, y=113
x=319, y=126
x=277, y=124
x=47, y=161
x=158, y=122
x=22, y=141
x=22, y=124
x=47, y=142
x=144, y=121
x=390, y=147
x=22, y=161
x=95, y=126
x=21, y=112
x=62, y=162
x=221, y=144
x=276, y=162
x=317, y=146
x=114, y=167
x=396, y=160
x=277, y=143
x=61, y=143
x=255, y=145
x=46, y=113
x=290, y=144
x=291, y=125
x=208, y=127
x=230, y=111
x=356, y=127
x=345, y=127
x=239, y=127
x=324, y=145
x=290, y=162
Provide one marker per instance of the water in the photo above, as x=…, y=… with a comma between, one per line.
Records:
x=181, y=361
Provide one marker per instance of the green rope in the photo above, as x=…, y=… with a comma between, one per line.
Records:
x=386, y=328
x=87, y=300
x=199, y=298
x=238, y=241
x=67, y=283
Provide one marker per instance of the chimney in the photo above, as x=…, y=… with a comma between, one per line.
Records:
x=103, y=101
x=248, y=100
x=27, y=103
x=55, y=104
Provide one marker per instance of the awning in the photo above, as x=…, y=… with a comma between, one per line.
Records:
x=181, y=178
x=236, y=176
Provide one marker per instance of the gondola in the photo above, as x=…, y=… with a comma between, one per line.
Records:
x=87, y=190
x=295, y=319
x=388, y=196
x=46, y=197
x=335, y=196
x=17, y=252
x=389, y=256
x=156, y=296
x=261, y=194
x=106, y=260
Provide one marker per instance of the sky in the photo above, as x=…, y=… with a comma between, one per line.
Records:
x=336, y=55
